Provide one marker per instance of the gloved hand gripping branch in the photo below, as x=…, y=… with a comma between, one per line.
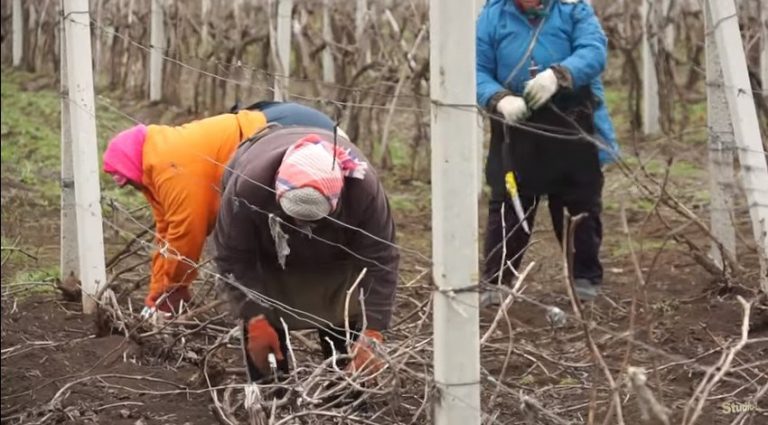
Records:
x=542, y=87
x=169, y=302
x=513, y=108
x=263, y=342
x=364, y=357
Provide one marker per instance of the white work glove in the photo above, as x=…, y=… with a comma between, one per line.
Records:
x=513, y=109
x=540, y=89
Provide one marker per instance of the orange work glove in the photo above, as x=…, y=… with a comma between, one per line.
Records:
x=364, y=357
x=262, y=340
x=171, y=303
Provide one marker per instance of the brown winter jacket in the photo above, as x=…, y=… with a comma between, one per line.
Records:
x=317, y=273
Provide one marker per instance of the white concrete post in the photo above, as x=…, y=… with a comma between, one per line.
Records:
x=480, y=136
x=329, y=71
x=18, y=32
x=157, y=44
x=283, y=34
x=90, y=236
x=669, y=8
x=764, y=47
x=69, y=262
x=741, y=104
x=97, y=40
x=362, y=15
x=722, y=182
x=360, y=11
x=205, y=8
x=454, y=213
x=651, y=117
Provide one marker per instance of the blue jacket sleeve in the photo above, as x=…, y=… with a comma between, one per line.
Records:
x=589, y=55
x=485, y=63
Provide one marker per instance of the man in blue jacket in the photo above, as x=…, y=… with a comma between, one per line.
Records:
x=538, y=73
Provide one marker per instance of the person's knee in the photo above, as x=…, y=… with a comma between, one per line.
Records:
x=590, y=205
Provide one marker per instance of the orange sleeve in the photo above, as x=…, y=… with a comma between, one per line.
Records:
x=187, y=219
x=157, y=279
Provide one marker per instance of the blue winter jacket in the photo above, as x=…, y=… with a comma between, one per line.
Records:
x=570, y=36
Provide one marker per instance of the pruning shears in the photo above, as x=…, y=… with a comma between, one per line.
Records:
x=272, y=365
x=511, y=183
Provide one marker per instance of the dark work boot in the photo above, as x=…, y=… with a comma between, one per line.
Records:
x=585, y=289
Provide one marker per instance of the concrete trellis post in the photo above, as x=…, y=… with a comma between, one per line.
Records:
x=329, y=71
x=283, y=44
x=764, y=46
x=361, y=20
x=722, y=183
x=205, y=9
x=90, y=236
x=157, y=43
x=480, y=136
x=651, y=118
x=360, y=11
x=454, y=208
x=18, y=32
x=97, y=38
x=669, y=7
x=741, y=105
x=69, y=262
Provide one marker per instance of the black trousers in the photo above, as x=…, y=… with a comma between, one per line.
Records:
x=338, y=344
x=587, y=238
x=565, y=170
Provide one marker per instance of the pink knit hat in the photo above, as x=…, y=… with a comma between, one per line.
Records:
x=123, y=157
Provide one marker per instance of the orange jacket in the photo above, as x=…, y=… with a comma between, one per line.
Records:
x=182, y=175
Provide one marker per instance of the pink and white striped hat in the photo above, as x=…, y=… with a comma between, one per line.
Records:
x=311, y=177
